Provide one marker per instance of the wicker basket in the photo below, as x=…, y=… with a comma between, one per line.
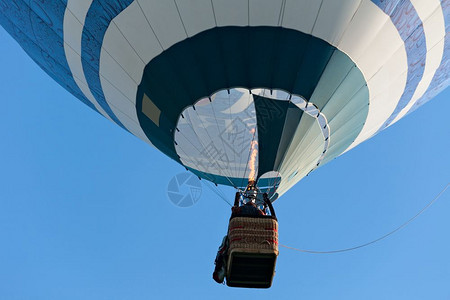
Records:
x=252, y=251
x=254, y=234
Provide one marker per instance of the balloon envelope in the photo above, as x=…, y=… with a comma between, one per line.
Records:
x=237, y=90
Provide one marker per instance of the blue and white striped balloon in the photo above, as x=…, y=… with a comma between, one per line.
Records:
x=209, y=81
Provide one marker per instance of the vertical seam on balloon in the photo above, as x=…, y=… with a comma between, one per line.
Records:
x=82, y=23
x=134, y=50
x=151, y=27
x=181, y=19
x=93, y=101
x=96, y=55
x=436, y=81
x=414, y=76
x=73, y=86
x=248, y=12
x=348, y=24
x=411, y=103
x=281, y=12
x=317, y=16
x=214, y=13
x=79, y=94
x=346, y=103
x=198, y=138
x=111, y=104
x=86, y=62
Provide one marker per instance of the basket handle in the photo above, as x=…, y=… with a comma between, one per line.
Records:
x=236, y=199
x=269, y=204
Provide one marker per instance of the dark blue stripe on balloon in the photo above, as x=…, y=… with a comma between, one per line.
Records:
x=441, y=78
x=410, y=27
x=37, y=26
x=388, y=6
x=98, y=18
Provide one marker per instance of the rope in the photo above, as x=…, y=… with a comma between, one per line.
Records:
x=215, y=189
x=378, y=239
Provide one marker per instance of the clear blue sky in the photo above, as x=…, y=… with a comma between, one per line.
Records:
x=84, y=212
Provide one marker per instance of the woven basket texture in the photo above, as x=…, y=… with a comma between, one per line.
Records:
x=253, y=233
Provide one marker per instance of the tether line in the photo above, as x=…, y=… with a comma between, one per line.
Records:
x=378, y=239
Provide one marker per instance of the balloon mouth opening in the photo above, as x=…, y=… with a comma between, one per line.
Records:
x=239, y=137
x=251, y=183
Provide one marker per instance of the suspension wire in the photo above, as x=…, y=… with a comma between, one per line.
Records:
x=215, y=188
x=198, y=138
x=376, y=240
x=210, y=180
x=274, y=184
x=212, y=186
x=207, y=133
x=232, y=119
x=187, y=157
x=218, y=192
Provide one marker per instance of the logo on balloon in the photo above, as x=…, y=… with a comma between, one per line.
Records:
x=184, y=189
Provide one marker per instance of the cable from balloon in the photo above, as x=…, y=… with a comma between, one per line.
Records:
x=376, y=240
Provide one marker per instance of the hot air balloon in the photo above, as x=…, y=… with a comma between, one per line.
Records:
x=238, y=91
